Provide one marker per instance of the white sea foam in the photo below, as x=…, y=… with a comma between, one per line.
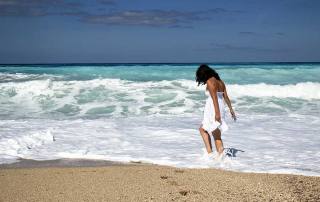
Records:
x=19, y=77
x=307, y=90
x=20, y=146
x=258, y=143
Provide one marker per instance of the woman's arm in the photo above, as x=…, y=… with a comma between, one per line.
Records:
x=212, y=88
x=227, y=100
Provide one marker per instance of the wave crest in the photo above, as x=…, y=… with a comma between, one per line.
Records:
x=306, y=90
x=115, y=97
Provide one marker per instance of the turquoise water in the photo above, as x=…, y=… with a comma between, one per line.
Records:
x=123, y=112
x=273, y=73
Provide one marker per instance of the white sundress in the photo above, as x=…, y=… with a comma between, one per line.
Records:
x=209, y=123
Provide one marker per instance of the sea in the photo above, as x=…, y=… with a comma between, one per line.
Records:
x=151, y=113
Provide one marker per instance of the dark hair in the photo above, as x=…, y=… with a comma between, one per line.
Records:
x=204, y=72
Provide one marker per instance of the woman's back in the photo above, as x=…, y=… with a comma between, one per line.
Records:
x=218, y=83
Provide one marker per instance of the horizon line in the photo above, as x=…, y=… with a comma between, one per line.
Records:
x=151, y=63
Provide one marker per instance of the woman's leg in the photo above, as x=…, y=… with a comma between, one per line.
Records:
x=206, y=139
x=217, y=140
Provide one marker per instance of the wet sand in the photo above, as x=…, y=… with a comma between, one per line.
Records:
x=73, y=180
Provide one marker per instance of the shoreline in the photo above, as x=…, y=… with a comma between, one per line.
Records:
x=64, y=163
x=91, y=180
x=88, y=163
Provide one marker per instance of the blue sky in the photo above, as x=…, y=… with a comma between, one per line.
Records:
x=64, y=31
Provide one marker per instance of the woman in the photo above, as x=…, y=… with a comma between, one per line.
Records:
x=214, y=112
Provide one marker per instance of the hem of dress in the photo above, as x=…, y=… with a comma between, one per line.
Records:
x=223, y=127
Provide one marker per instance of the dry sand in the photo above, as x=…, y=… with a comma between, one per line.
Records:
x=151, y=183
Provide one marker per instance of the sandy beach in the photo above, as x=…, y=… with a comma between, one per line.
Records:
x=57, y=181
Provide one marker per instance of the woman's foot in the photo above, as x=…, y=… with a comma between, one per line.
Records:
x=216, y=156
x=212, y=155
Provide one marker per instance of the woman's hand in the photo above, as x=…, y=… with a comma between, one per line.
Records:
x=217, y=118
x=233, y=115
